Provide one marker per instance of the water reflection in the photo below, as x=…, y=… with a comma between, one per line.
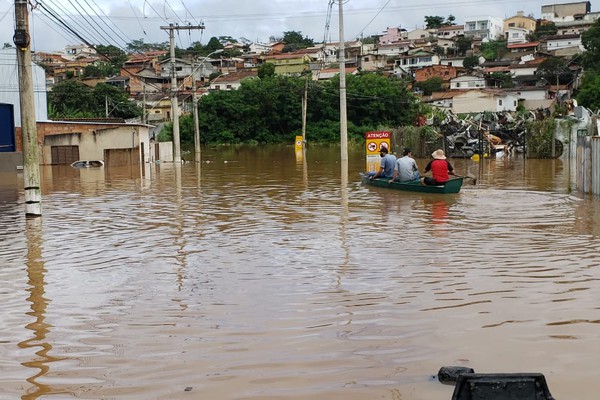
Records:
x=40, y=328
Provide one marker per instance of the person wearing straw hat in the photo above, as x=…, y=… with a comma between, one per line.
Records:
x=440, y=169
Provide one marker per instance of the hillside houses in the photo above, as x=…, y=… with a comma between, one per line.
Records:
x=415, y=55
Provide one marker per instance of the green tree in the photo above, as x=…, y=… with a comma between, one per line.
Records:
x=118, y=101
x=589, y=94
x=591, y=42
x=431, y=85
x=547, y=28
x=439, y=50
x=268, y=110
x=436, y=22
x=138, y=46
x=70, y=98
x=100, y=69
x=500, y=80
x=433, y=22
x=266, y=70
x=114, y=55
x=213, y=45
x=494, y=49
x=294, y=40
x=463, y=44
x=554, y=70
x=471, y=62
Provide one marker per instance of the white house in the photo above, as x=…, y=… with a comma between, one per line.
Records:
x=260, y=48
x=415, y=59
x=10, y=84
x=516, y=35
x=564, y=42
x=490, y=28
x=449, y=32
x=476, y=101
x=467, y=82
x=394, y=49
x=453, y=61
x=231, y=81
x=526, y=69
x=72, y=52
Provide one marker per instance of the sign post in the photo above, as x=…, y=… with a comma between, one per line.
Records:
x=375, y=141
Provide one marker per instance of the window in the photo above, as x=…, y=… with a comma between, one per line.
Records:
x=472, y=26
x=499, y=102
x=457, y=84
x=515, y=103
x=483, y=25
x=511, y=24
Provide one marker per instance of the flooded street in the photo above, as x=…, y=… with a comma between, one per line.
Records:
x=259, y=276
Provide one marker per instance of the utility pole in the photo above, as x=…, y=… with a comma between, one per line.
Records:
x=174, y=101
x=343, y=111
x=31, y=162
x=144, y=102
x=197, y=154
x=304, y=110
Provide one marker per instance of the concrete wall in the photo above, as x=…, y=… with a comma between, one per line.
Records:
x=10, y=161
x=93, y=139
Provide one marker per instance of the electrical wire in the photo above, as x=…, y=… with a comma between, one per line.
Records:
x=137, y=18
x=373, y=19
x=106, y=17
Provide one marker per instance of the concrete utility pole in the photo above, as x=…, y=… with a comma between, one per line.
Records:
x=197, y=155
x=304, y=111
x=343, y=108
x=174, y=100
x=197, y=151
x=31, y=162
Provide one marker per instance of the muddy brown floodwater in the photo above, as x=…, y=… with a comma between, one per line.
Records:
x=257, y=275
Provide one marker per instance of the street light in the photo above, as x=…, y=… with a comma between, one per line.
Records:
x=195, y=108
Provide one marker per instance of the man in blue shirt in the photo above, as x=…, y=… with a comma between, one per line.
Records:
x=388, y=163
x=406, y=168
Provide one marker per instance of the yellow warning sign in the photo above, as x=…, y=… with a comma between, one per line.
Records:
x=375, y=141
x=298, y=142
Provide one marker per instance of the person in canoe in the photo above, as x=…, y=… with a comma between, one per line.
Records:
x=388, y=163
x=406, y=169
x=440, y=169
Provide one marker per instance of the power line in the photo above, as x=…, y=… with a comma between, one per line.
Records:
x=100, y=31
x=123, y=34
x=372, y=19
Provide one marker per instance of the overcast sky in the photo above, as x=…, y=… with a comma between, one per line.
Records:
x=118, y=22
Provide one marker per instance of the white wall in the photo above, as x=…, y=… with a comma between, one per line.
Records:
x=9, y=86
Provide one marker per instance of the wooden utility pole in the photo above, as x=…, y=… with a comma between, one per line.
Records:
x=31, y=162
x=174, y=100
x=343, y=108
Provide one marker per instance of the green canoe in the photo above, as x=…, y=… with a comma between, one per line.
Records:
x=453, y=185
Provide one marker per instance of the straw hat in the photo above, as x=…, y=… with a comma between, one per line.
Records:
x=438, y=154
